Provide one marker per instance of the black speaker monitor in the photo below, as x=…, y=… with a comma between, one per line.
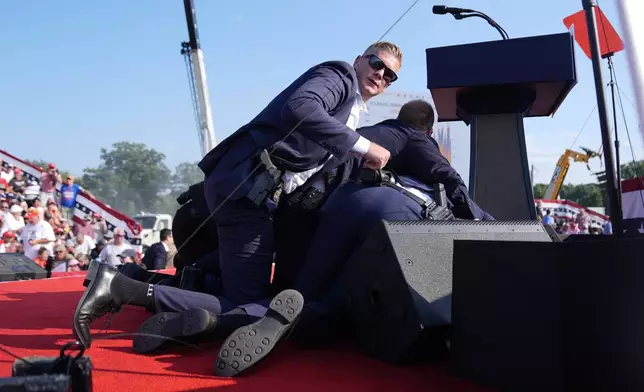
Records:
x=400, y=282
x=16, y=266
x=566, y=317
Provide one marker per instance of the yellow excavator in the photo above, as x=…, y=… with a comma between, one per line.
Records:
x=562, y=169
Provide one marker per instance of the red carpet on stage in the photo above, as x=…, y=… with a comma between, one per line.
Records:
x=36, y=317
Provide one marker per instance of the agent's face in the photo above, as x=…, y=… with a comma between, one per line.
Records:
x=376, y=72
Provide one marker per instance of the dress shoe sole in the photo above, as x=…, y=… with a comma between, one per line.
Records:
x=250, y=344
x=165, y=327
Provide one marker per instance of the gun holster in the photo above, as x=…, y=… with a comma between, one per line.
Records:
x=77, y=368
x=267, y=180
x=308, y=199
x=382, y=177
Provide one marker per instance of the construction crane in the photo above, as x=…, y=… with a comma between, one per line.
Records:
x=562, y=169
x=196, y=69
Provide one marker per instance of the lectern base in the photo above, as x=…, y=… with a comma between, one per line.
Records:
x=499, y=171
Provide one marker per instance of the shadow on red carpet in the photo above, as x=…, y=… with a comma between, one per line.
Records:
x=36, y=320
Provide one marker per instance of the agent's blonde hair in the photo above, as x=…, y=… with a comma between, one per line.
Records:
x=385, y=46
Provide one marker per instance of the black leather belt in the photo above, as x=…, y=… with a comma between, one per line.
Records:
x=382, y=177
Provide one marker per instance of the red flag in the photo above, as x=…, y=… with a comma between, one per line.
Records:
x=609, y=41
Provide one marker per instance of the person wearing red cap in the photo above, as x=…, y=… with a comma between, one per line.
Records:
x=8, y=243
x=37, y=234
x=48, y=181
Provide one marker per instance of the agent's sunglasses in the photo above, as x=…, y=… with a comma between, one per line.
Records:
x=377, y=64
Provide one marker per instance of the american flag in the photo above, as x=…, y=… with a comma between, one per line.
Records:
x=633, y=206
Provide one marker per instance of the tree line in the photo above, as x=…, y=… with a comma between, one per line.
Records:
x=134, y=178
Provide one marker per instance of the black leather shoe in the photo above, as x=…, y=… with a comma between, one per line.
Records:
x=97, y=300
x=250, y=344
x=166, y=327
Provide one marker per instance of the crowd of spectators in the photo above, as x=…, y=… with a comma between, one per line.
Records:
x=577, y=224
x=38, y=221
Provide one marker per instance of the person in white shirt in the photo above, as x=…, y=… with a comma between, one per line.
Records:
x=37, y=234
x=13, y=221
x=62, y=258
x=7, y=172
x=8, y=242
x=110, y=253
x=32, y=192
x=83, y=244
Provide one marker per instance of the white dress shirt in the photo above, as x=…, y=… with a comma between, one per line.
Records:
x=290, y=180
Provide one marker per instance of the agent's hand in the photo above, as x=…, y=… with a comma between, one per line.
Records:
x=377, y=157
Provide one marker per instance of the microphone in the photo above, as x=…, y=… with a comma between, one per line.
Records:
x=462, y=13
x=442, y=10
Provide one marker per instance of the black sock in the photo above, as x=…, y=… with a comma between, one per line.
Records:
x=127, y=291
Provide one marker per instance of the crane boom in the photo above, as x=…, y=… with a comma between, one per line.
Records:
x=561, y=170
x=198, y=81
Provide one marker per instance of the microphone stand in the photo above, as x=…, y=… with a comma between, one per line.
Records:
x=481, y=15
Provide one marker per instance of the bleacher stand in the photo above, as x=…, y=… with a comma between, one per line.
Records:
x=38, y=220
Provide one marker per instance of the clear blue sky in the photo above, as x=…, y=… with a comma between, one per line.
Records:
x=76, y=76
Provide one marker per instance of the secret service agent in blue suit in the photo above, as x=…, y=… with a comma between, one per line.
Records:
x=319, y=106
x=415, y=153
x=311, y=120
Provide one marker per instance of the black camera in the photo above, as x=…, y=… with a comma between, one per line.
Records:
x=62, y=373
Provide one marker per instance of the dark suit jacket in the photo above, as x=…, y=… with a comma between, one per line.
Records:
x=413, y=154
x=416, y=154
x=317, y=105
x=155, y=257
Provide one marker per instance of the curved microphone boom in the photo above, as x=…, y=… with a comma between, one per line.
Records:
x=442, y=10
x=462, y=13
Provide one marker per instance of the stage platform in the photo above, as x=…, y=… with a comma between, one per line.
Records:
x=36, y=316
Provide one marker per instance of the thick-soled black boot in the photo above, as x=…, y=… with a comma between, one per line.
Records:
x=107, y=291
